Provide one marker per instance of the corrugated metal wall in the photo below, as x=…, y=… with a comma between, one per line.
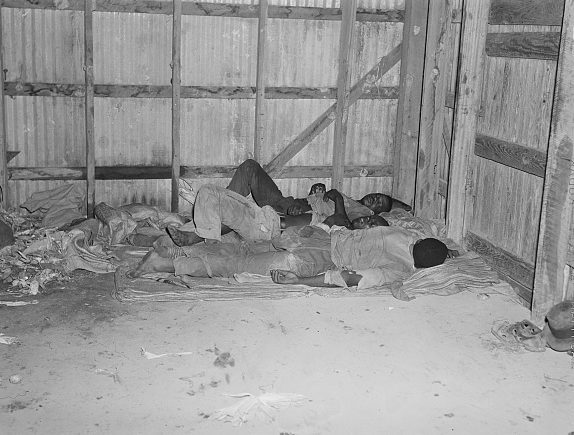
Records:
x=135, y=49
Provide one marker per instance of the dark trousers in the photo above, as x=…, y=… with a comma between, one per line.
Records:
x=251, y=178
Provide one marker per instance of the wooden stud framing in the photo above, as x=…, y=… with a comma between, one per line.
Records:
x=164, y=172
x=436, y=81
x=343, y=89
x=13, y=89
x=260, y=80
x=410, y=97
x=175, y=105
x=552, y=270
x=4, y=194
x=209, y=9
x=327, y=117
x=89, y=108
x=474, y=25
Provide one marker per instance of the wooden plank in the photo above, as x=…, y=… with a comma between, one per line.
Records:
x=526, y=45
x=459, y=206
x=89, y=108
x=14, y=89
x=325, y=119
x=550, y=285
x=511, y=154
x=410, y=96
x=439, y=49
x=175, y=105
x=505, y=262
x=343, y=88
x=4, y=159
x=211, y=9
x=518, y=273
x=531, y=12
x=260, y=80
x=164, y=172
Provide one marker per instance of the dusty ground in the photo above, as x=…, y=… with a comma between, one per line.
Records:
x=366, y=365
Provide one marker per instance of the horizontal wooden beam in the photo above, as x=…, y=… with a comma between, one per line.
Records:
x=13, y=89
x=527, y=45
x=164, y=172
x=210, y=9
x=511, y=154
x=530, y=12
x=502, y=261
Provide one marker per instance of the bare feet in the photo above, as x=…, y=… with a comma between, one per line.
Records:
x=183, y=238
x=152, y=262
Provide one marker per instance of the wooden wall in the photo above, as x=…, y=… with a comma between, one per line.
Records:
x=504, y=113
x=43, y=57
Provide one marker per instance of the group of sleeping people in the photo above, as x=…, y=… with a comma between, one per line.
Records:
x=324, y=240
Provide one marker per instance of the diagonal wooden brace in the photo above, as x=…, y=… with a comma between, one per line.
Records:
x=323, y=121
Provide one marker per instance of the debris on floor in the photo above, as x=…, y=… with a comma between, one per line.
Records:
x=262, y=406
x=150, y=355
x=4, y=339
x=33, y=259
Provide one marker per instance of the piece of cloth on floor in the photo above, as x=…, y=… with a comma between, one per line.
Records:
x=118, y=225
x=79, y=256
x=323, y=209
x=58, y=206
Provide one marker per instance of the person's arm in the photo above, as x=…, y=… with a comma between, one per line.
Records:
x=350, y=277
x=340, y=217
x=298, y=207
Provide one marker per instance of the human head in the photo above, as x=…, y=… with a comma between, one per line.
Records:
x=369, y=222
x=429, y=252
x=377, y=202
x=317, y=188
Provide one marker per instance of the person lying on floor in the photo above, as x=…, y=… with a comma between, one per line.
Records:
x=218, y=211
x=306, y=255
x=251, y=178
x=380, y=254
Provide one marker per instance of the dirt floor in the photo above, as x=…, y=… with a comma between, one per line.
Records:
x=365, y=365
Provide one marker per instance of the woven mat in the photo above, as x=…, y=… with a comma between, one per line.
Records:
x=468, y=272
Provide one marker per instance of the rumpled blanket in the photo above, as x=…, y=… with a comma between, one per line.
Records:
x=59, y=206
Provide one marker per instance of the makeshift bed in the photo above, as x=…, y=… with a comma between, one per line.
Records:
x=467, y=272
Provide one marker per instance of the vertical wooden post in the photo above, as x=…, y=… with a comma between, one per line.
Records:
x=89, y=108
x=409, y=104
x=459, y=201
x=4, y=194
x=175, y=105
x=439, y=50
x=260, y=80
x=349, y=15
x=558, y=196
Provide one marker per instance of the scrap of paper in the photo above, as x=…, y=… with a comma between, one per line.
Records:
x=150, y=355
x=18, y=303
x=4, y=339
